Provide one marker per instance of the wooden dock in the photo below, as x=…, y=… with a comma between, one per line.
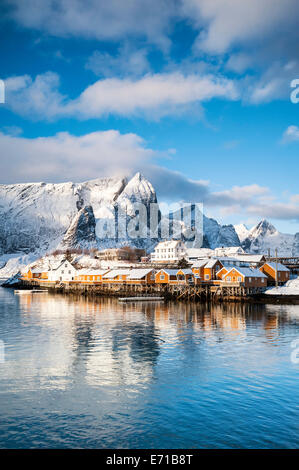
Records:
x=201, y=292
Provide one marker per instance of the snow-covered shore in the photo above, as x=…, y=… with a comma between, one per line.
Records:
x=290, y=288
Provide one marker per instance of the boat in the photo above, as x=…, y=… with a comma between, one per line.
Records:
x=134, y=299
x=23, y=291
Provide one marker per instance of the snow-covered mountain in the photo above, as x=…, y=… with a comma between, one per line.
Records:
x=242, y=231
x=264, y=237
x=37, y=218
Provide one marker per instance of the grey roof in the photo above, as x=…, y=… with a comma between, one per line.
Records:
x=170, y=272
x=250, y=258
x=186, y=271
x=92, y=272
x=280, y=267
x=116, y=272
x=139, y=273
x=248, y=272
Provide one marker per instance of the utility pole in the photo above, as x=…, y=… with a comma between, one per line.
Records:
x=276, y=274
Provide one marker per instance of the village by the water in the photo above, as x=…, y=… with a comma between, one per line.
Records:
x=171, y=271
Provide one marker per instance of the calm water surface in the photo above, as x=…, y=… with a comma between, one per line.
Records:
x=79, y=373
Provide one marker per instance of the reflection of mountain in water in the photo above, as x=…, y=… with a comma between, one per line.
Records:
x=105, y=342
x=141, y=339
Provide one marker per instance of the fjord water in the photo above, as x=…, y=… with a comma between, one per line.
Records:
x=101, y=374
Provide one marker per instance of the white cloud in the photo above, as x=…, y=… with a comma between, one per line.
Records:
x=97, y=19
x=227, y=23
x=237, y=196
x=65, y=157
x=38, y=98
x=152, y=95
x=125, y=62
x=291, y=134
x=282, y=211
x=274, y=83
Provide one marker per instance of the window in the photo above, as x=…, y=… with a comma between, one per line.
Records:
x=228, y=278
x=250, y=279
x=62, y=272
x=239, y=279
x=65, y=265
x=70, y=272
x=207, y=276
x=263, y=280
x=162, y=277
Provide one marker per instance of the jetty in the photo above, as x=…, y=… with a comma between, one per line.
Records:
x=153, y=292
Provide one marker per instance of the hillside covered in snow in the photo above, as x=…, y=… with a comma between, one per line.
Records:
x=37, y=218
x=264, y=237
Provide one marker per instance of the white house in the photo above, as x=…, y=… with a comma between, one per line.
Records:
x=228, y=251
x=64, y=272
x=169, y=251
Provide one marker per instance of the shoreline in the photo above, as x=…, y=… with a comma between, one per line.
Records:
x=166, y=293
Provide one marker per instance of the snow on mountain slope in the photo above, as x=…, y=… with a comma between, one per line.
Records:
x=216, y=235
x=82, y=231
x=35, y=218
x=242, y=231
x=264, y=237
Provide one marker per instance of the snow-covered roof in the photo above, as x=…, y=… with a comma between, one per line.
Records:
x=200, y=264
x=55, y=267
x=280, y=267
x=116, y=272
x=199, y=253
x=168, y=244
x=139, y=273
x=170, y=272
x=250, y=258
x=230, y=250
x=211, y=263
x=92, y=272
x=247, y=272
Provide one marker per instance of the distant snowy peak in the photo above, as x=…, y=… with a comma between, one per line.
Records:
x=263, y=228
x=265, y=238
x=137, y=190
x=242, y=231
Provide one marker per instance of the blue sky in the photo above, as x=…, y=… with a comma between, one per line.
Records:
x=192, y=93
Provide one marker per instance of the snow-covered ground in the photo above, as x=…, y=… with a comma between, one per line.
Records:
x=12, y=263
x=290, y=288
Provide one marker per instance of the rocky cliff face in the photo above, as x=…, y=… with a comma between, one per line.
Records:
x=216, y=235
x=82, y=231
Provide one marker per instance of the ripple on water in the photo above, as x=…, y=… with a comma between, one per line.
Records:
x=83, y=373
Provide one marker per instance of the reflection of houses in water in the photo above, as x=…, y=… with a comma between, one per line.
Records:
x=111, y=343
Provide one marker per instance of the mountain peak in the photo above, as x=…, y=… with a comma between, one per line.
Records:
x=264, y=227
